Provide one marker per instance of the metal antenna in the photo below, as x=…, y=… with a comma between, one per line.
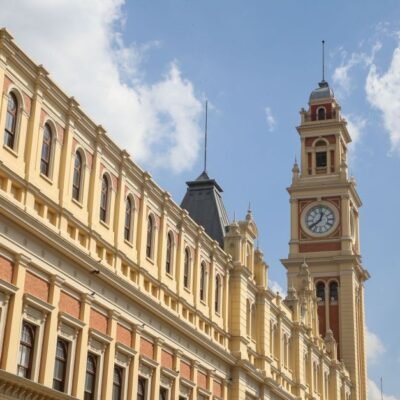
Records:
x=323, y=61
x=205, y=140
x=381, y=388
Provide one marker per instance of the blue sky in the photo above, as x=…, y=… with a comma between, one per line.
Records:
x=144, y=68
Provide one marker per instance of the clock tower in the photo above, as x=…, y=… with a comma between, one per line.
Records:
x=324, y=231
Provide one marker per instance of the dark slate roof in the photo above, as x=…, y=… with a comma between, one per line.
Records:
x=322, y=92
x=204, y=203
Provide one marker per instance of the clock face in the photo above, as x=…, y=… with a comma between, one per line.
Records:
x=320, y=219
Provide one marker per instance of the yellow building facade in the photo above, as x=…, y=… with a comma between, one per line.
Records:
x=110, y=290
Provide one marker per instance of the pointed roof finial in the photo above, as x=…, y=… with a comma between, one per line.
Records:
x=249, y=209
x=323, y=61
x=205, y=139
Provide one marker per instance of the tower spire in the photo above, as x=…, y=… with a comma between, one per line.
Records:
x=205, y=140
x=323, y=61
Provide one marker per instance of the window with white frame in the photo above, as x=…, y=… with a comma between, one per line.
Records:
x=77, y=179
x=26, y=350
x=203, y=281
x=104, y=198
x=218, y=289
x=61, y=365
x=150, y=236
x=142, y=388
x=10, y=131
x=97, y=345
x=47, y=149
x=117, y=382
x=186, y=269
x=91, y=376
x=68, y=330
x=163, y=393
x=169, y=255
x=128, y=225
x=34, y=317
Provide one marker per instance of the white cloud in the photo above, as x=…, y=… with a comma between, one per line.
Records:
x=271, y=122
x=355, y=125
x=374, y=346
x=374, y=392
x=80, y=43
x=342, y=74
x=276, y=287
x=383, y=92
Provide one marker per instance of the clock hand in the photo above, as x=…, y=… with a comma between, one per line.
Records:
x=320, y=219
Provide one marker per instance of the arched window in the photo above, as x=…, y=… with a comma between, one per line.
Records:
x=26, y=347
x=321, y=113
x=168, y=260
x=320, y=291
x=149, y=242
x=77, y=178
x=60, y=367
x=128, y=219
x=218, y=286
x=104, y=199
x=333, y=291
x=90, y=381
x=117, y=383
x=186, y=269
x=203, y=272
x=11, y=121
x=141, y=390
x=46, y=150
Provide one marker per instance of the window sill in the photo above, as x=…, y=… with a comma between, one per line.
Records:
x=187, y=289
x=169, y=275
x=105, y=224
x=150, y=260
x=46, y=178
x=77, y=202
x=10, y=150
x=128, y=243
x=203, y=302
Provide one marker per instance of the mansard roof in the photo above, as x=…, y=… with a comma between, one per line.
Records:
x=204, y=203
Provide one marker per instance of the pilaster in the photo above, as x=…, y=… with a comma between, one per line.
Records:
x=109, y=356
x=155, y=379
x=50, y=334
x=134, y=367
x=32, y=136
x=66, y=165
x=95, y=185
x=78, y=384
